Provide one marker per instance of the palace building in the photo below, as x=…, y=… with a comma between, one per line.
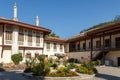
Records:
x=101, y=43
x=18, y=37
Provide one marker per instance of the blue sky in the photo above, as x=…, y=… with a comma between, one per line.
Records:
x=64, y=17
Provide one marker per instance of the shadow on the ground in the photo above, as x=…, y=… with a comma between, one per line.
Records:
x=1, y=69
x=107, y=77
x=11, y=75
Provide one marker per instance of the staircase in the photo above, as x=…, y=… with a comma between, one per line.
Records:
x=99, y=55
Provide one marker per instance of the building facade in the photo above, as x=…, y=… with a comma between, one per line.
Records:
x=17, y=37
x=101, y=43
x=54, y=46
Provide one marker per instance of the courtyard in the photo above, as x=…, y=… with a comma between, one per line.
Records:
x=104, y=73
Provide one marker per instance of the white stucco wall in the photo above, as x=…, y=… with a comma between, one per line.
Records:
x=7, y=55
x=79, y=55
x=113, y=55
x=52, y=51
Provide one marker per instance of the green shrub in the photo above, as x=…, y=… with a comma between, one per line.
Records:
x=72, y=66
x=16, y=58
x=72, y=60
x=63, y=70
x=69, y=74
x=87, y=68
x=41, y=69
x=41, y=57
x=1, y=64
x=54, y=65
x=98, y=62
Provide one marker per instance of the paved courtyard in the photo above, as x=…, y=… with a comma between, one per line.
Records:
x=104, y=73
x=12, y=75
x=108, y=73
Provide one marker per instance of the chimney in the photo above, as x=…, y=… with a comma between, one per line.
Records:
x=37, y=21
x=15, y=13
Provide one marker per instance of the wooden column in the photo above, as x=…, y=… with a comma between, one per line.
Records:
x=2, y=41
x=103, y=49
x=91, y=47
x=110, y=42
x=85, y=44
x=24, y=52
x=100, y=43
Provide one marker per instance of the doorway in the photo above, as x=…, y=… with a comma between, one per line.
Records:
x=118, y=61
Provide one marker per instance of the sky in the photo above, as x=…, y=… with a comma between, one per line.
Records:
x=66, y=18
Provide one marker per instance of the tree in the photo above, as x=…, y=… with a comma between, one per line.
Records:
x=117, y=18
x=53, y=35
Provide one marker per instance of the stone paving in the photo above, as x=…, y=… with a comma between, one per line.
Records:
x=107, y=73
x=104, y=73
x=12, y=75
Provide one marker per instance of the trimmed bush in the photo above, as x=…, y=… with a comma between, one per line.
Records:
x=16, y=58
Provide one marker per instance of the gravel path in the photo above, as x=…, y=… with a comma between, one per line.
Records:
x=12, y=75
x=107, y=73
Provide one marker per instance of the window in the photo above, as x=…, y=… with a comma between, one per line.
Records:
x=107, y=42
x=89, y=45
x=30, y=37
x=84, y=46
x=21, y=36
x=48, y=45
x=117, y=42
x=55, y=46
x=37, y=39
x=72, y=47
x=8, y=32
x=61, y=47
x=78, y=47
x=98, y=44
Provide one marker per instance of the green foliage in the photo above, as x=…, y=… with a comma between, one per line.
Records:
x=98, y=62
x=16, y=58
x=53, y=35
x=54, y=65
x=117, y=18
x=87, y=68
x=41, y=57
x=54, y=74
x=72, y=66
x=41, y=69
x=1, y=64
x=72, y=60
x=63, y=70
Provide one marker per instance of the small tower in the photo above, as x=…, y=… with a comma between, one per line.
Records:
x=15, y=13
x=37, y=21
